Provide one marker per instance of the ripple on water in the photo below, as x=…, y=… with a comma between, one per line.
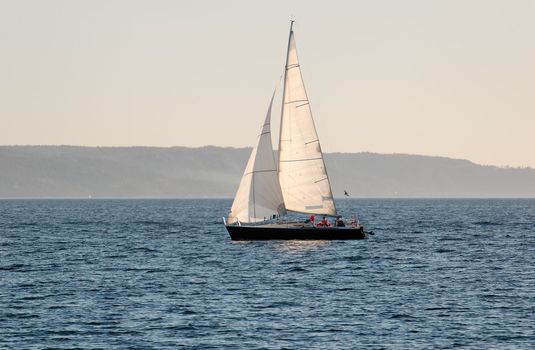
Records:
x=114, y=274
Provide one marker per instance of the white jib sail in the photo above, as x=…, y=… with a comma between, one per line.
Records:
x=302, y=174
x=259, y=195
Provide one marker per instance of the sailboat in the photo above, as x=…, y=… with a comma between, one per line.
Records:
x=296, y=183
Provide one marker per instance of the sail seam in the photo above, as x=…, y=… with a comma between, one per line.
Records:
x=259, y=171
x=300, y=160
x=296, y=101
x=308, y=212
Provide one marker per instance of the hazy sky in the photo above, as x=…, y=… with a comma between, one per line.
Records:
x=450, y=78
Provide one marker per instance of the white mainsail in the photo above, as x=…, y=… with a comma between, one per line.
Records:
x=259, y=195
x=302, y=173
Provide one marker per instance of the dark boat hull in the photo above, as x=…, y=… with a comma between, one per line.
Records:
x=259, y=233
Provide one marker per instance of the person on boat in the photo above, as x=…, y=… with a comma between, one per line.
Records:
x=355, y=222
x=339, y=222
x=324, y=223
x=312, y=219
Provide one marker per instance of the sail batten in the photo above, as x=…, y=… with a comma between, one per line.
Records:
x=302, y=174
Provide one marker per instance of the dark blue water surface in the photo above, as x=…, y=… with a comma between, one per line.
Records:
x=163, y=274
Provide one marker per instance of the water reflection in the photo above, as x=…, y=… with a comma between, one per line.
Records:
x=298, y=246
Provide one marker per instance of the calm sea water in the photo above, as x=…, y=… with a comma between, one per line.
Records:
x=163, y=274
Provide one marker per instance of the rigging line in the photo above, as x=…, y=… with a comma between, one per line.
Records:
x=325, y=178
x=300, y=160
x=306, y=143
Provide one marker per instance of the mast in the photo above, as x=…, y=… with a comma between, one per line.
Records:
x=284, y=88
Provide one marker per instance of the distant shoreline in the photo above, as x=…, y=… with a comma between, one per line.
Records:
x=78, y=172
x=249, y=148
